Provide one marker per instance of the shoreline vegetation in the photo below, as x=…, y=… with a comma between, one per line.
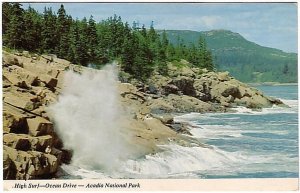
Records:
x=157, y=80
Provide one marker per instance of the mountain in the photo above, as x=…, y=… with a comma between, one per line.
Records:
x=245, y=60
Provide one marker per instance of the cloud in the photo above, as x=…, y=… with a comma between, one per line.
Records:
x=210, y=21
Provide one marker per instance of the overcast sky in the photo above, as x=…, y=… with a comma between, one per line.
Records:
x=268, y=24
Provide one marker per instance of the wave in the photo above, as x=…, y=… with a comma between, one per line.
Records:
x=178, y=160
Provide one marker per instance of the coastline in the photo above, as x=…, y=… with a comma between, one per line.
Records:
x=32, y=83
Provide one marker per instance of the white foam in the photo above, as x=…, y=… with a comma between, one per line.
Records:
x=178, y=160
x=87, y=117
x=215, y=131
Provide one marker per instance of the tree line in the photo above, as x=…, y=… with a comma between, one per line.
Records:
x=139, y=50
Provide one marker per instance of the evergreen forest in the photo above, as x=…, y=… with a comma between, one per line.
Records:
x=138, y=49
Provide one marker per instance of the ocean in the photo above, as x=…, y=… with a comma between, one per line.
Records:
x=244, y=144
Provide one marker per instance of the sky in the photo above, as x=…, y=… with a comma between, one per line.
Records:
x=267, y=24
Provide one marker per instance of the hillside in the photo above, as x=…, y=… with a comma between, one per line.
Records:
x=245, y=60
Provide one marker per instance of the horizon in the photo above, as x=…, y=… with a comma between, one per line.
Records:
x=271, y=25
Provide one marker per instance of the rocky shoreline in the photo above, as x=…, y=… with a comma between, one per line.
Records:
x=32, y=148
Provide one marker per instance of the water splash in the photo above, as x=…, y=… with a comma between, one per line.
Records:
x=87, y=117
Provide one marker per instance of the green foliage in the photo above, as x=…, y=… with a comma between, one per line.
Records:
x=140, y=50
x=13, y=15
x=245, y=60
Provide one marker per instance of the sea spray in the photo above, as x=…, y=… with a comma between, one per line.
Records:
x=87, y=117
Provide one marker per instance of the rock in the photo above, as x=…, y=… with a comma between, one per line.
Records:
x=49, y=58
x=130, y=92
x=26, y=53
x=185, y=84
x=10, y=59
x=170, y=89
x=225, y=89
x=245, y=92
x=276, y=101
x=186, y=103
x=49, y=81
x=26, y=103
x=25, y=142
x=182, y=68
x=20, y=77
x=17, y=141
x=152, y=89
x=165, y=118
x=223, y=76
x=202, y=90
x=39, y=126
x=176, y=103
x=41, y=143
x=159, y=106
x=255, y=102
x=14, y=120
x=9, y=169
x=181, y=128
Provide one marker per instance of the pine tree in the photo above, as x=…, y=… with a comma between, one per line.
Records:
x=15, y=27
x=49, y=35
x=32, y=32
x=63, y=27
x=92, y=39
x=204, y=56
x=6, y=15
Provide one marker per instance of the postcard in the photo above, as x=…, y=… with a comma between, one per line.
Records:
x=150, y=96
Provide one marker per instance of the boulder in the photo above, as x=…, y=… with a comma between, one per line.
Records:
x=185, y=84
x=202, y=90
x=176, y=103
x=40, y=143
x=170, y=89
x=14, y=120
x=181, y=68
x=49, y=58
x=159, y=106
x=9, y=168
x=245, y=92
x=164, y=118
x=10, y=59
x=39, y=126
x=25, y=142
x=40, y=164
x=49, y=81
x=25, y=102
x=17, y=141
x=186, y=103
x=223, y=76
x=20, y=77
x=225, y=89
x=254, y=102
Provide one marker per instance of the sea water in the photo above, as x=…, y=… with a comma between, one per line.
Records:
x=244, y=144
x=264, y=143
